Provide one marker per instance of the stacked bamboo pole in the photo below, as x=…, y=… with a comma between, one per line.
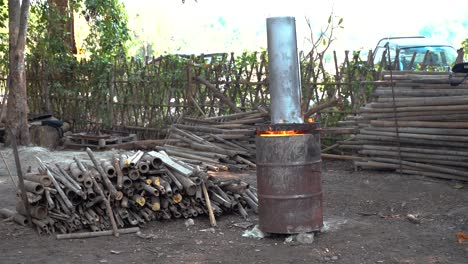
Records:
x=418, y=124
x=128, y=190
x=216, y=143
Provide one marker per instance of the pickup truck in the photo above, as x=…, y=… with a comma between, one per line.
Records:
x=414, y=54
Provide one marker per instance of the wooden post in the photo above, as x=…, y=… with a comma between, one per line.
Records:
x=20, y=176
x=8, y=169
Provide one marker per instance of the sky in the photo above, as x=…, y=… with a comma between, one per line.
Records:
x=211, y=26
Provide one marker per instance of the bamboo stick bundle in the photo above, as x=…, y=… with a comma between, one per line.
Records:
x=221, y=140
x=417, y=124
x=168, y=189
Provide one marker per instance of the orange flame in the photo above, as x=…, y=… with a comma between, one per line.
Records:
x=281, y=133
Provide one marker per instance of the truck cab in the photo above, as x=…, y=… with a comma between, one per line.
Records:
x=416, y=53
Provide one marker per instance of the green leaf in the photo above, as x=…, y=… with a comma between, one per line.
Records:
x=329, y=19
x=341, y=21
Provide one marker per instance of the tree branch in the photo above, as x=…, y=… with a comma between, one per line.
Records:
x=23, y=24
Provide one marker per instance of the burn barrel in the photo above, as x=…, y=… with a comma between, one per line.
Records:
x=289, y=178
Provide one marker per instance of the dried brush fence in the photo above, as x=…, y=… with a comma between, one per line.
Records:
x=144, y=97
x=417, y=124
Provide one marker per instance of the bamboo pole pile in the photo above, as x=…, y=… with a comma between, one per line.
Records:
x=418, y=124
x=130, y=189
x=216, y=143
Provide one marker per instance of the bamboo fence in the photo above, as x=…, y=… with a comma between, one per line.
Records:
x=143, y=97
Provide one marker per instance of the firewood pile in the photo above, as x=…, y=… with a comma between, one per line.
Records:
x=216, y=143
x=418, y=124
x=128, y=190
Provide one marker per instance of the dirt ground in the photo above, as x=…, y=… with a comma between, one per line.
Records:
x=365, y=214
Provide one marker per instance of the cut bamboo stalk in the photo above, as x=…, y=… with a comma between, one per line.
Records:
x=110, y=187
x=170, y=163
x=431, y=150
x=341, y=157
x=405, y=154
x=422, y=130
x=98, y=233
x=208, y=205
x=422, y=124
x=431, y=108
x=59, y=189
x=109, y=211
x=429, y=142
x=119, y=172
x=424, y=166
x=368, y=131
x=68, y=177
x=424, y=101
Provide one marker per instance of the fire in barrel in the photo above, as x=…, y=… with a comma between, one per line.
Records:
x=289, y=178
x=288, y=150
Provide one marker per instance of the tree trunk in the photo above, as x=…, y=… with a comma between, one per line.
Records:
x=62, y=26
x=17, y=109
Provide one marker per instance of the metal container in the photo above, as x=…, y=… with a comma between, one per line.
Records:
x=289, y=179
x=284, y=71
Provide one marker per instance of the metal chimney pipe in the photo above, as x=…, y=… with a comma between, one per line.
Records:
x=284, y=71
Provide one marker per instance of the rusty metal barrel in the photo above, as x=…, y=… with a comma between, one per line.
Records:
x=289, y=178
